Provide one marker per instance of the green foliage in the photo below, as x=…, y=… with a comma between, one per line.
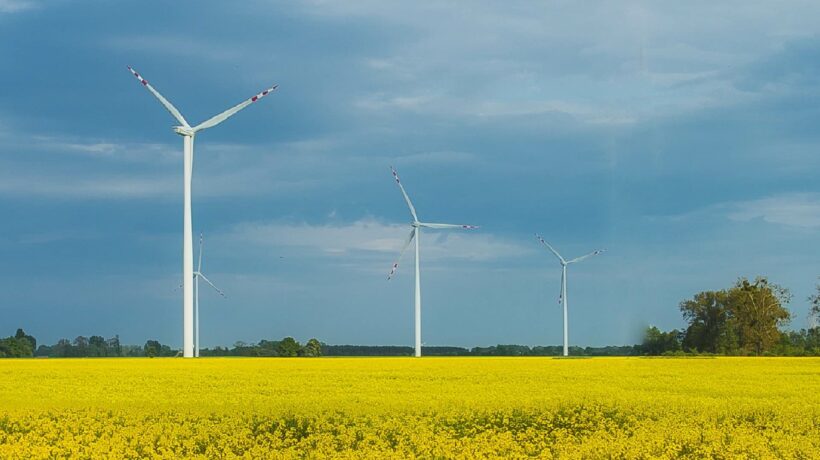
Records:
x=814, y=309
x=744, y=319
x=805, y=342
x=83, y=347
x=153, y=348
x=758, y=312
x=288, y=347
x=19, y=345
x=21, y=335
x=312, y=349
x=657, y=342
x=710, y=329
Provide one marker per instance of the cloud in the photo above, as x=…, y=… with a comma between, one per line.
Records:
x=367, y=237
x=83, y=168
x=106, y=148
x=14, y=6
x=800, y=210
x=99, y=186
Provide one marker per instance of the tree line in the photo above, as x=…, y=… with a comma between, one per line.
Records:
x=287, y=347
x=495, y=350
x=748, y=318
x=22, y=345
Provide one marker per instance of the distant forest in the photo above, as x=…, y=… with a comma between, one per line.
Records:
x=746, y=319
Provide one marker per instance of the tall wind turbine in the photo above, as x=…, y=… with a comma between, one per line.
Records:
x=415, y=233
x=187, y=132
x=197, y=275
x=563, y=298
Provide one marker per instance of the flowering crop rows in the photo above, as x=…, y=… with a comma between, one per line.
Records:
x=404, y=408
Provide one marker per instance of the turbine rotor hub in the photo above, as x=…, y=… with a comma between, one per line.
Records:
x=183, y=131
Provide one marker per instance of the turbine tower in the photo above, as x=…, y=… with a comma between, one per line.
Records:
x=563, y=297
x=415, y=233
x=197, y=275
x=187, y=132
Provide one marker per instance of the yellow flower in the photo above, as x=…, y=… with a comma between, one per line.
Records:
x=385, y=408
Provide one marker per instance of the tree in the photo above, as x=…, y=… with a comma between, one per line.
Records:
x=745, y=318
x=313, y=348
x=152, y=348
x=96, y=346
x=710, y=328
x=657, y=342
x=20, y=335
x=80, y=346
x=758, y=312
x=814, y=310
x=288, y=347
x=113, y=346
x=63, y=348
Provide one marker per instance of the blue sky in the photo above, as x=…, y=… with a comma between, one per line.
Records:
x=681, y=137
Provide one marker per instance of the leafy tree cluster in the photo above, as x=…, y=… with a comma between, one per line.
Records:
x=94, y=346
x=814, y=310
x=98, y=347
x=20, y=345
x=287, y=347
x=153, y=348
x=745, y=319
x=657, y=342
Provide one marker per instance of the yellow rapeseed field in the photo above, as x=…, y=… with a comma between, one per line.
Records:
x=410, y=408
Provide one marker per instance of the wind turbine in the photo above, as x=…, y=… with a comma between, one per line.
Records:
x=187, y=132
x=563, y=297
x=197, y=275
x=415, y=233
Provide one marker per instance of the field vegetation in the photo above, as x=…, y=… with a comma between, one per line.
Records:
x=470, y=407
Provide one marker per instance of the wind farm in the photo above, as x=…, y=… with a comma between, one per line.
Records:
x=678, y=136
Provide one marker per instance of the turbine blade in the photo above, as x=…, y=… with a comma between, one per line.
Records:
x=406, y=244
x=561, y=294
x=551, y=248
x=199, y=264
x=461, y=226
x=215, y=120
x=168, y=106
x=204, y=278
x=593, y=253
x=406, y=198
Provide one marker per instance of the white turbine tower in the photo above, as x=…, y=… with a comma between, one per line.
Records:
x=187, y=132
x=563, y=298
x=197, y=275
x=415, y=233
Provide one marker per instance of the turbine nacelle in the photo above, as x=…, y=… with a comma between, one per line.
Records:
x=184, y=131
x=417, y=225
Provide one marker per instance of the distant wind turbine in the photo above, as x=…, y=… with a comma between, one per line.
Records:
x=415, y=233
x=197, y=275
x=563, y=297
x=187, y=132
